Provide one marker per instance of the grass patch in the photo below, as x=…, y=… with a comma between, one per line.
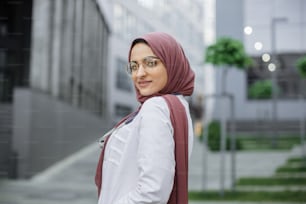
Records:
x=295, y=160
x=270, y=181
x=293, y=165
x=265, y=143
x=284, y=196
x=291, y=169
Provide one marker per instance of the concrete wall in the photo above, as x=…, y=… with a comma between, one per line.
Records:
x=46, y=130
x=290, y=34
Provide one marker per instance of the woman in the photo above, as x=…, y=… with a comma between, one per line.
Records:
x=140, y=161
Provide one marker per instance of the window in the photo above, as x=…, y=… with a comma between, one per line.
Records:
x=123, y=81
x=288, y=80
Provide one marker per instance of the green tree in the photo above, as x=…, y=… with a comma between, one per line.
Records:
x=227, y=52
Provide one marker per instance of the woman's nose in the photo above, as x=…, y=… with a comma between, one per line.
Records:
x=141, y=71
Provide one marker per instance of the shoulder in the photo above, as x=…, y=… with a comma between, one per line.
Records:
x=155, y=104
x=160, y=101
x=155, y=101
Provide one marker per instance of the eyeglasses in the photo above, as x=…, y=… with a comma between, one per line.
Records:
x=149, y=62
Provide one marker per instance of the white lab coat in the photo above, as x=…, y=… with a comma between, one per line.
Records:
x=139, y=159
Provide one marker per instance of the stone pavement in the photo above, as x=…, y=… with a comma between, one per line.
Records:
x=71, y=181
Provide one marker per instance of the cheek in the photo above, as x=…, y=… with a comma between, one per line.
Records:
x=165, y=78
x=164, y=83
x=133, y=79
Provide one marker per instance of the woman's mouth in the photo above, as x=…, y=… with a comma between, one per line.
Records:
x=143, y=84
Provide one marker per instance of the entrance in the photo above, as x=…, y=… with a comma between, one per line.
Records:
x=15, y=38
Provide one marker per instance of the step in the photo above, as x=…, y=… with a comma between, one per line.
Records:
x=271, y=188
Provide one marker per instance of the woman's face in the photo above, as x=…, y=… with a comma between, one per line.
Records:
x=148, y=72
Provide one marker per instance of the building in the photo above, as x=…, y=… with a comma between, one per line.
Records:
x=62, y=71
x=278, y=29
x=53, y=64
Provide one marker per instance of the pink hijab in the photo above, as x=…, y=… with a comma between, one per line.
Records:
x=170, y=52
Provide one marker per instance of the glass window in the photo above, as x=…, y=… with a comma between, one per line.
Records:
x=123, y=81
x=288, y=81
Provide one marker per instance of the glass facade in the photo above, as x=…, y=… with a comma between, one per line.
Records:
x=183, y=18
x=70, y=52
x=126, y=24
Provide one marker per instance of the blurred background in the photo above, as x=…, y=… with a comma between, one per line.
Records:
x=63, y=83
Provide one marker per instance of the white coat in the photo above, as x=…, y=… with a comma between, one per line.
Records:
x=139, y=162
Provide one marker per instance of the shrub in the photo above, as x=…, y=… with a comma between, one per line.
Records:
x=214, y=137
x=301, y=66
x=260, y=90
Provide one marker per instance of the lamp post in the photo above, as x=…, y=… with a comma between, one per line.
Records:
x=273, y=68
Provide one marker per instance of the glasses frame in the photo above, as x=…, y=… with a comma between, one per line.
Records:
x=144, y=62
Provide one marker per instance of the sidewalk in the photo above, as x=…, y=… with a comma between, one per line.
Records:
x=71, y=181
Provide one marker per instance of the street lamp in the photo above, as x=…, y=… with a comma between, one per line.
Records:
x=274, y=22
x=266, y=57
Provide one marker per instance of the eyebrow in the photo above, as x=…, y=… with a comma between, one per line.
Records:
x=150, y=56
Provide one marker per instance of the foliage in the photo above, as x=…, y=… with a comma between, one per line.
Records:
x=293, y=165
x=214, y=137
x=228, y=51
x=301, y=66
x=260, y=90
x=299, y=169
x=259, y=196
x=214, y=134
x=270, y=181
x=261, y=142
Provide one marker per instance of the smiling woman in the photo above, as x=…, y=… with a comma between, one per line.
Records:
x=150, y=75
x=139, y=159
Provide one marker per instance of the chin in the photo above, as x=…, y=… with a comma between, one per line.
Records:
x=146, y=93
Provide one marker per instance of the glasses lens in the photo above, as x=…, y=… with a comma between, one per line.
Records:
x=132, y=67
x=128, y=69
x=150, y=62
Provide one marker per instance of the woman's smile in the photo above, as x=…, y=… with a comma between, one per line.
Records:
x=144, y=83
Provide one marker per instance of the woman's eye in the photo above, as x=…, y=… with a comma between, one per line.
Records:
x=151, y=63
x=133, y=67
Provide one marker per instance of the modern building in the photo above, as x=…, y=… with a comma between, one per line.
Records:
x=276, y=29
x=63, y=71
x=53, y=64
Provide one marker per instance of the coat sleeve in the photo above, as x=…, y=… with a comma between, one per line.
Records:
x=155, y=157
